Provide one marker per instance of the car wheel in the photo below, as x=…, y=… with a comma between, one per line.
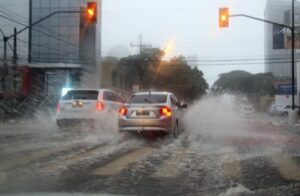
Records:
x=285, y=114
x=175, y=130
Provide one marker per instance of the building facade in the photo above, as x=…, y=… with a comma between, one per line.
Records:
x=65, y=48
x=277, y=39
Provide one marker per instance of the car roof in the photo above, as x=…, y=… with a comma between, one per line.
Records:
x=154, y=93
x=90, y=89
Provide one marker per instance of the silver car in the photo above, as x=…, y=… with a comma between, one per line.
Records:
x=151, y=111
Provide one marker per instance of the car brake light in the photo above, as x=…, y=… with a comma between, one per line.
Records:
x=99, y=105
x=58, y=108
x=123, y=111
x=165, y=111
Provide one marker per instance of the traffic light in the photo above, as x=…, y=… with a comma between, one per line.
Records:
x=91, y=12
x=223, y=17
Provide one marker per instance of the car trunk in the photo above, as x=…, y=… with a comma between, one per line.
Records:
x=143, y=111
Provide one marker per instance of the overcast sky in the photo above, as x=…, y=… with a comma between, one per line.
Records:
x=191, y=26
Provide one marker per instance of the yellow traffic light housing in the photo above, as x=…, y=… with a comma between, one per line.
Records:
x=91, y=12
x=223, y=17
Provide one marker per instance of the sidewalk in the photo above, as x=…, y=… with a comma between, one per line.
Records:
x=280, y=123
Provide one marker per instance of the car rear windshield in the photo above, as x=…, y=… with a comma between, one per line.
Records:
x=81, y=94
x=148, y=99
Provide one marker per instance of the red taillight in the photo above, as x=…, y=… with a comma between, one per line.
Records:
x=123, y=111
x=58, y=108
x=165, y=111
x=99, y=105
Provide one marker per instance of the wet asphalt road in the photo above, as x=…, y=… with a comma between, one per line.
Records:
x=259, y=160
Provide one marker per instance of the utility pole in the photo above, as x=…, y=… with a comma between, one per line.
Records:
x=5, y=65
x=15, y=58
x=141, y=47
x=293, y=54
x=15, y=47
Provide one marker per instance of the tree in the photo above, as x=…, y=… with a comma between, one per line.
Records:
x=178, y=77
x=174, y=75
x=253, y=86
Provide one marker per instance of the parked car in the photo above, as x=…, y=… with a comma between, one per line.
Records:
x=247, y=111
x=283, y=110
x=151, y=111
x=87, y=105
x=274, y=109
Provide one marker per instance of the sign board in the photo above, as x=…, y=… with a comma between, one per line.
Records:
x=286, y=89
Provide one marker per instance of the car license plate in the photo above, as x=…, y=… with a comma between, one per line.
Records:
x=142, y=113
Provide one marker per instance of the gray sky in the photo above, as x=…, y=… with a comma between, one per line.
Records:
x=192, y=27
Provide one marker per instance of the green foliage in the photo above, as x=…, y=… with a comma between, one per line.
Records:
x=178, y=77
x=174, y=75
x=241, y=82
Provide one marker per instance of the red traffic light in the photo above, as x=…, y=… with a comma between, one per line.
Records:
x=91, y=12
x=223, y=17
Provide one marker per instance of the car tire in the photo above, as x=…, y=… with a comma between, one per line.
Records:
x=175, y=130
x=285, y=114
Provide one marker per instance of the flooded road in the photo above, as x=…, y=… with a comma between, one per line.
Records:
x=214, y=155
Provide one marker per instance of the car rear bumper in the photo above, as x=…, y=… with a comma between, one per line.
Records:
x=74, y=119
x=72, y=122
x=140, y=125
x=80, y=116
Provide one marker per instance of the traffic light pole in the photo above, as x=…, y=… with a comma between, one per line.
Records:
x=292, y=29
x=39, y=21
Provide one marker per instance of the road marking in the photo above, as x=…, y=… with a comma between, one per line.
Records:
x=68, y=161
x=122, y=162
x=230, y=162
x=286, y=166
x=171, y=167
x=3, y=177
x=25, y=159
x=232, y=169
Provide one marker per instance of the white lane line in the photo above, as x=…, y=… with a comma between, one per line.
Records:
x=171, y=166
x=123, y=162
x=230, y=161
x=25, y=159
x=287, y=167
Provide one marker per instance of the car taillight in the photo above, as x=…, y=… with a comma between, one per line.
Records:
x=165, y=111
x=123, y=111
x=99, y=105
x=58, y=108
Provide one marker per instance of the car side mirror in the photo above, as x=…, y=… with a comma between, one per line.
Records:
x=184, y=105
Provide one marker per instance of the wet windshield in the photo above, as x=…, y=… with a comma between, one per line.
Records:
x=212, y=94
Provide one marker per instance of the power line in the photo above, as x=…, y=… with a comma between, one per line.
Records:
x=49, y=34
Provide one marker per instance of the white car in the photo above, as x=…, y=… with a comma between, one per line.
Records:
x=283, y=110
x=274, y=109
x=247, y=111
x=87, y=105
